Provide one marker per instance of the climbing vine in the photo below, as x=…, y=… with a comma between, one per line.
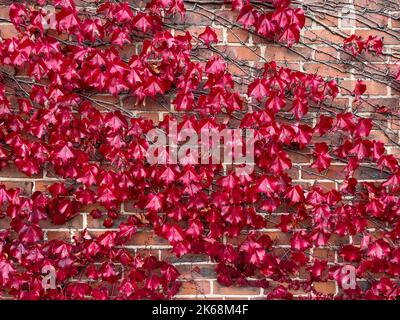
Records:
x=51, y=119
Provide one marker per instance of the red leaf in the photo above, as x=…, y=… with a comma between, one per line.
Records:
x=29, y=234
x=208, y=36
x=257, y=89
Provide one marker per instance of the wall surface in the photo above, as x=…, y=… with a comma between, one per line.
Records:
x=320, y=51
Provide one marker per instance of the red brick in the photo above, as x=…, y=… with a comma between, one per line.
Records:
x=4, y=12
x=25, y=186
x=326, y=54
x=7, y=30
x=58, y=235
x=325, y=287
x=373, y=88
x=285, y=54
x=193, y=271
x=74, y=223
x=335, y=71
x=234, y=290
x=11, y=171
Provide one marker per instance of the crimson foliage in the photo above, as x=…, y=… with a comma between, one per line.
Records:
x=54, y=122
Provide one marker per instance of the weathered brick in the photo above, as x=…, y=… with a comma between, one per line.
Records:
x=236, y=35
x=11, y=171
x=193, y=271
x=319, y=55
x=198, y=288
x=234, y=290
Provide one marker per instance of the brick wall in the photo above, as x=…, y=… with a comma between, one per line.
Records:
x=320, y=51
